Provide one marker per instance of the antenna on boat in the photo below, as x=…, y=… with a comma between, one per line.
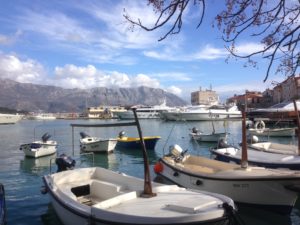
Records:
x=147, y=180
x=244, y=159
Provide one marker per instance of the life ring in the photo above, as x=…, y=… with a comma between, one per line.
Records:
x=259, y=126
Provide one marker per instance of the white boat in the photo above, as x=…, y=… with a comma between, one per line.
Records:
x=6, y=118
x=260, y=129
x=42, y=116
x=40, y=148
x=144, y=112
x=100, y=196
x=95, y=144
x=258, y=158
x=274, y=132
x=201, y=112
x=272, y=189
x=197, y=135
x=273, y=147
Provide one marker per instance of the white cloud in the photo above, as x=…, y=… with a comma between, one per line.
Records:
x=248, y=48
x=210, y=53
x=25, y=71
x=174, y=90
x=72, y=76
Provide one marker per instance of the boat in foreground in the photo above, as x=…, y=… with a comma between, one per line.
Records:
x=272, y=189
x=257, y=158
x=40, y=148
x=135, y=142
x=95, y=144
x=99, y=196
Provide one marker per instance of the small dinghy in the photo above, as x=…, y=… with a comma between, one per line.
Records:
x=95, y=144
x=40, y=148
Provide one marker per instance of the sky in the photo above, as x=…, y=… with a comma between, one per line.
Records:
x=86, y=44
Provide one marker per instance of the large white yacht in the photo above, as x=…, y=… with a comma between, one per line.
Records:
x=145, y=112
x=203, y=112
x=9, y=118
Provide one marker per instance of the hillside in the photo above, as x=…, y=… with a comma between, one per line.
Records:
x=33, y=97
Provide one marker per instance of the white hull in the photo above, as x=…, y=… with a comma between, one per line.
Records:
x=205, y=114
x=259, y=158
x=213, y=137
x=100, y=196
x=97, y=145
x=9, y=118
x=254, y=186
x=276, y=132
x=38, y=148
x=128, y=115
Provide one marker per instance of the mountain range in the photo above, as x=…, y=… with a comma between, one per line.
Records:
x=34, y=98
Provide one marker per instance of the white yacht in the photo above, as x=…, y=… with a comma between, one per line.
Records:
x=9, y=118
x=145, y=112
x=203, y=112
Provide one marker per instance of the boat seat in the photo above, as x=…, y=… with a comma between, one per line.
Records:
x=104, y=190
x=111, y=202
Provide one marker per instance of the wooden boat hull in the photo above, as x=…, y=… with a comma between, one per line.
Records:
x=135, y=143
x=257, y=187
x=102, y=145
x=124, y=205
x=38, y=148
x=258, y=158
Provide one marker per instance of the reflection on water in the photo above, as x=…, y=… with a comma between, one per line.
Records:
x=22, y=176
x=36, y=166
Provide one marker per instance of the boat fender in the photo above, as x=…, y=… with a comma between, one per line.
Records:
x=259, y=126
x=158, y=167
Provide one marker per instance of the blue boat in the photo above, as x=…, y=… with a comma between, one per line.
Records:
x=2, y=205
x=135, y=142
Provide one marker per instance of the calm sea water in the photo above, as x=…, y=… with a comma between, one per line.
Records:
x=22, y=177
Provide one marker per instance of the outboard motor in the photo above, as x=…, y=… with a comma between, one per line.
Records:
x=64, y=163
x=176, y=152
x=195, y=130
x=83, y=135
x=122, y=134
x=223, y=143
x=46, y=137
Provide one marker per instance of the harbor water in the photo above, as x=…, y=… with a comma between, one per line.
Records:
x=22, y=177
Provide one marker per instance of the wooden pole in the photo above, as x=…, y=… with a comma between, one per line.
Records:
x=298, y=125
x=244, y=159
x=147, y=180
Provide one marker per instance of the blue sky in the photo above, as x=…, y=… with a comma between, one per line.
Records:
x=85, y=44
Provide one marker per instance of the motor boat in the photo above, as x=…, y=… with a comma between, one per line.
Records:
x=40, y=148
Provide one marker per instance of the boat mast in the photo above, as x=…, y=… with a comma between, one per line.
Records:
x=298, y=125
x=244, y=159
x=147, y=180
